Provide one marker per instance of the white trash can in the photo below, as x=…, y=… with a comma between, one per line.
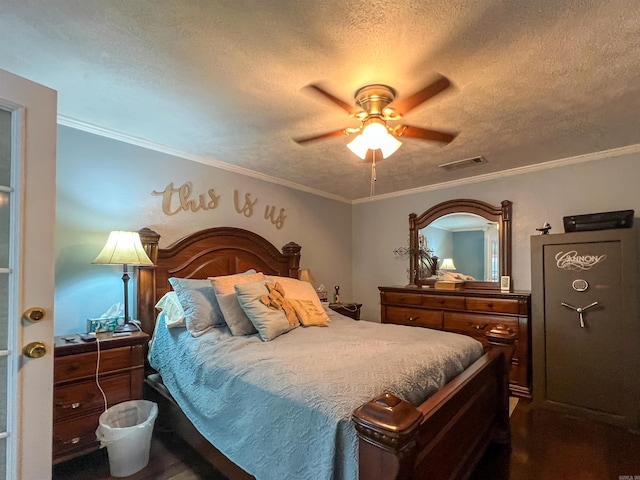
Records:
x=126, y=429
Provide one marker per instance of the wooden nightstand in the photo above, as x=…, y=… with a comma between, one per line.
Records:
x=348, y=309
x=77, y=401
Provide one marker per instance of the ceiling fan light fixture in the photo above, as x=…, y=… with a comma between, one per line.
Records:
x=374, y=133
x=375, y=136
x=389, y=145
x=359, y=146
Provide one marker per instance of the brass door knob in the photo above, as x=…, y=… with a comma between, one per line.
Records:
x=35, y=350
x=34, y=314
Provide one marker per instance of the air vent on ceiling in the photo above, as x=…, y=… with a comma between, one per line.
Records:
x=467, y=162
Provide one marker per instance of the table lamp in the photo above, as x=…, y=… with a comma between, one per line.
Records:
x=124, y=248
x=447, y=264
x=307, y=276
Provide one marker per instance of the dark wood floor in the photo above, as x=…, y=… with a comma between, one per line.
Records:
x=545, y=446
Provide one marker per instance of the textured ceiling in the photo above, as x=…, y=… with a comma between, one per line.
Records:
x=534, y=81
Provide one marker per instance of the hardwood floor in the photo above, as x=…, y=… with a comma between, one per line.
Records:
x=545, y=446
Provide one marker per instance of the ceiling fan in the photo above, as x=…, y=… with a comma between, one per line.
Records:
x=377, y=107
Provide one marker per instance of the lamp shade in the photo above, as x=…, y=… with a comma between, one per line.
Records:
x=306, y=275
x=359, y=146
x=447, y=264
x=123, y=248
x=388, y=145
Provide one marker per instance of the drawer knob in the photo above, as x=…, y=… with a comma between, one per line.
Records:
x=73, y=441
x=479, y=327
x=413, y=319
x=72, y=406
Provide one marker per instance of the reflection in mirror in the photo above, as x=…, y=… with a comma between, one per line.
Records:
x=475, y=235
x=469, y=241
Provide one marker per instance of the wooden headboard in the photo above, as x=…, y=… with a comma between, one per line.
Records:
x=207, y=253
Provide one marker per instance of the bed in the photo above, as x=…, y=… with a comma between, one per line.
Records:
x=384, y=437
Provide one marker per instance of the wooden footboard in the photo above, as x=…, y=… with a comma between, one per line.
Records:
x=443, y=438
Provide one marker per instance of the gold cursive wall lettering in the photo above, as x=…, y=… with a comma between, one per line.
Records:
x=175, y=200
x=185, y=203
x=269, y=212
x=247, y=208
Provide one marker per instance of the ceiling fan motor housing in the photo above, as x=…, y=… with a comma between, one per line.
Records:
x=374, y=98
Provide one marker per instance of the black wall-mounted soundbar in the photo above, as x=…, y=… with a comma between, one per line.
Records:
x=598, y=221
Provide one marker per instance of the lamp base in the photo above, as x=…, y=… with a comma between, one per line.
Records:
x=127, y=327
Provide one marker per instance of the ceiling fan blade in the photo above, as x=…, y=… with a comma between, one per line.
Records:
x=350, y=109
x=409, y=131
x=405, y=105
x=311, y=138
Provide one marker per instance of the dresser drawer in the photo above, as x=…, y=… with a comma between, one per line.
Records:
x=443, y=301
x=422, y=300
x=497, y=305
x=84, y=364
x=75, y=435
x=477, y=325
x=402, y=298
x=79, y=398
x=417, y=317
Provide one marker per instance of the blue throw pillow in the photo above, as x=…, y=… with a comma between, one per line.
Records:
x=198, y=300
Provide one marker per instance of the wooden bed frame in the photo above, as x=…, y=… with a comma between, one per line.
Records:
x=443, y=438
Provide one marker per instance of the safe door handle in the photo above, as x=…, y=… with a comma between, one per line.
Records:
x=580, y=310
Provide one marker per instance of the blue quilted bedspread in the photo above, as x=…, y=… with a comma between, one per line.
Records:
x=281, y=409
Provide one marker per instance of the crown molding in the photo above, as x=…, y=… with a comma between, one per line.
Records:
x=140, y=142
x=588, y=157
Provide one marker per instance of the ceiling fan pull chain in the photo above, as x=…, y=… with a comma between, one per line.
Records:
x=373, y=175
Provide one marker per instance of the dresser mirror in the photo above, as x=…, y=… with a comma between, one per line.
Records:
x=475, y=235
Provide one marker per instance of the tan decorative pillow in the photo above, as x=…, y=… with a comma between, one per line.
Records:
x=299, y=290
x=308, y=313
x=276, y=301
x=224, y=285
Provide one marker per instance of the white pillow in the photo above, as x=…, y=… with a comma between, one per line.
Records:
x=173, y=311
x=235, y=316
x=228, y=302
x=299, y=290
x=224, y=285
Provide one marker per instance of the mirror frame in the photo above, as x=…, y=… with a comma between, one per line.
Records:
x=500, y=214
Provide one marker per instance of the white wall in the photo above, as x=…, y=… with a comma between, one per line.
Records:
x=104, y=185
x=544, y=195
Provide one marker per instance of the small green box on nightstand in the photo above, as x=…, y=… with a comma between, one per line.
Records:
x=101, y=325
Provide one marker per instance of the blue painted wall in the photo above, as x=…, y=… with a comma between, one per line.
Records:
x=104, y=185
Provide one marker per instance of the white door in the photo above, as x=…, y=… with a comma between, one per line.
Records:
x=27, y=211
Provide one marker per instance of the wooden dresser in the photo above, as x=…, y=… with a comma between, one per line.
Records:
x=77, y=401
x=471, y=312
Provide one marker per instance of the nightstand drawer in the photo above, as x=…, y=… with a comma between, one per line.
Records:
x=417, y=317
x=84, y=364
x=79, y=398
x=77, y=401
x=75, y=435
